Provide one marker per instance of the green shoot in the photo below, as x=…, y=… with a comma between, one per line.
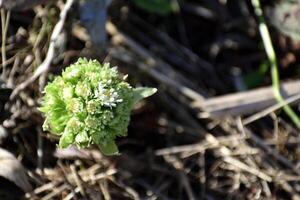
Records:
x=266, y=38
x=90, y=104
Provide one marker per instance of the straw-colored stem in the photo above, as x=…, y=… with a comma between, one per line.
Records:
x=4, y=27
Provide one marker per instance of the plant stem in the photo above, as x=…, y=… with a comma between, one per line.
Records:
x=4, y=26
x=266, y=38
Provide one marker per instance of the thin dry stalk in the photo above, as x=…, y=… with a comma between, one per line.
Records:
x=44, y=67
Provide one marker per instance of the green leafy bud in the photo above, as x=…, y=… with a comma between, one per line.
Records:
x=74, y=105
x=90, y=104
x=83, y=90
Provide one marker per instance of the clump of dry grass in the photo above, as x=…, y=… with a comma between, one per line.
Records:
x=170, y=153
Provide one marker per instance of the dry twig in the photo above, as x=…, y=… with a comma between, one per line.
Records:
x=44, y=67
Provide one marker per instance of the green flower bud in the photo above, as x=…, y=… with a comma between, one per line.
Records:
x=82, y=139
x=90, y=104
x=74, y=105
x=68, y=92
x=82, y=89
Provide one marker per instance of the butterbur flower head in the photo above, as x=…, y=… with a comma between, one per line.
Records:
x=90, y=104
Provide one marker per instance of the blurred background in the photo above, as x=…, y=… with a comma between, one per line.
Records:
x=213, y=131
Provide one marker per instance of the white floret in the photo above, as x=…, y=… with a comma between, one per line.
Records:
x=109, y=97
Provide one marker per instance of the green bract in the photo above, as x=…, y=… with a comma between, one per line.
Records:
x=162, y=7
x=90, y=104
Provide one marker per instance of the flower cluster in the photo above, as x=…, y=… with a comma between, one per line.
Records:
x=90, y=104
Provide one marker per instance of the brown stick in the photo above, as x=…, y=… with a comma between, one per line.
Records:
x=246, y=102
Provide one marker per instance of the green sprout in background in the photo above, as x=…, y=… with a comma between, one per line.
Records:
x=266, y=38
x=90, y=104
x=161, y=7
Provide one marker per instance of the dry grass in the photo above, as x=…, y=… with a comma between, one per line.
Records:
x=170, y=153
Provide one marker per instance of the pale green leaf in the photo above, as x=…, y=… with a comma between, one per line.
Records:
x=143, y=92
x=66, y=140
x=109, y=148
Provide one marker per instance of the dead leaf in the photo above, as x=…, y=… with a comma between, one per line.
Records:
x=12, y=170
